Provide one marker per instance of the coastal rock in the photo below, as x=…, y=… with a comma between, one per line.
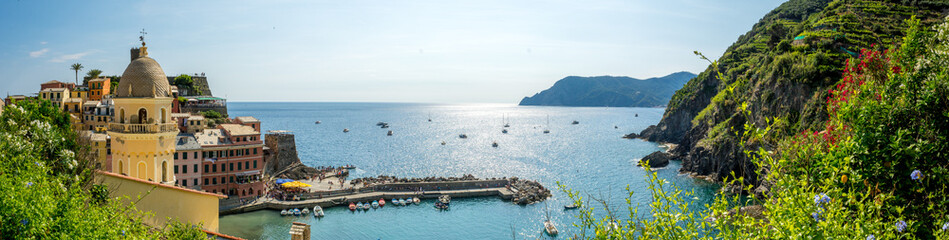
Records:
x=281, y=158
x=528, y=192
x=631, y=136
x=656, y=159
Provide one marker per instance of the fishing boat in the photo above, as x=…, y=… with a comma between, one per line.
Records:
x=444, y=201
x=495, y=144
x=571, y=206
x=284, y=212
x=375, y=204
x=549, y=225
x=305, y=211
x=389, y=133
x=345, y=130
x=359, y=206
x=382, y=202
x=352, y=207
x=416, y=200
x=365, y=207
x=318, y=211
x=462, y=136
x=296, y=212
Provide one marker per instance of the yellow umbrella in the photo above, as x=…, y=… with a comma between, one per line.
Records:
x=295, y=184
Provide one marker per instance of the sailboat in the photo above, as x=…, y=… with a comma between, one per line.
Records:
x=549, y=225
x=429, y=116
x=506, y=124
x=547, y=130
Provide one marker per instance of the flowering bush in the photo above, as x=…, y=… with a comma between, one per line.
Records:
x=45, y=179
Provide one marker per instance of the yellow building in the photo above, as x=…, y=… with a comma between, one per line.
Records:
x=143, y=133
x=99, y=148
x=56, y=95
x=164, y=201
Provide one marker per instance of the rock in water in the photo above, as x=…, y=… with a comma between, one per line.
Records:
x=656, y=159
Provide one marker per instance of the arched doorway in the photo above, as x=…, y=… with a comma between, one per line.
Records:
x=122, y=115
x=243, y=193
x=121, y=168
x=142, y=116
x=164, y=171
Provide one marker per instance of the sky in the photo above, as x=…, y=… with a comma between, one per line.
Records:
x=485, y=51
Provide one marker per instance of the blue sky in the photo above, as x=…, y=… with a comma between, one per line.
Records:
x=482, y=51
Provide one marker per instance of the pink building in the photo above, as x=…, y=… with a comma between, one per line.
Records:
x=188, y=158
x=232, y=159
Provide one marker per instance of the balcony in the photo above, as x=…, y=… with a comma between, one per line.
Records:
x=142, y=128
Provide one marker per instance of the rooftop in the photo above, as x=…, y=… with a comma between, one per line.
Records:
x=247, y=119
x=238, y=130
x=158, y=184
x=52, y=81
x=54, y=90
x=187, y=142
x=93, y=136
x=211, y=137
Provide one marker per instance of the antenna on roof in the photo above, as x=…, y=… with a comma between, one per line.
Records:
x=142, y=37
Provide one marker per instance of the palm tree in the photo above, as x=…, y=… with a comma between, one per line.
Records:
x=92, y=74
x=76, y=67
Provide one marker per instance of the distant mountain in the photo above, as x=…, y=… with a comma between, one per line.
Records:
x=610, y=91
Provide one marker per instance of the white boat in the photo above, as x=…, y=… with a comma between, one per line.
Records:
x=375, y=204
x=416, y=200
x=550, y=228
x=366, y=206
x=402, y=201
x=284, y=212
x=318, y=211
x=345, y=130
x=389, y=133
x=305, y=211
x=571, y=206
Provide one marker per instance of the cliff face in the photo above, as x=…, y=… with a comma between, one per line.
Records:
x=609, y=91
x=781, y=71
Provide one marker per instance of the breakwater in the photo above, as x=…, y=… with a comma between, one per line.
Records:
x=502, y=188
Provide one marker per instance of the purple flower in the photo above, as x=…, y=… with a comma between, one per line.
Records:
x=900, y=226
x=123, y=232
x=820, y=199
x=25, y=221
x=871, y=237
x=816, y=216
x=945, y=226
x=916, y=175
x=28, y=184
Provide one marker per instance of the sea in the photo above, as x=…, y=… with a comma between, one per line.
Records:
x=590, y=157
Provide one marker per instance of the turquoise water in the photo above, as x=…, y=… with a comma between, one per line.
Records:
x=590, y=157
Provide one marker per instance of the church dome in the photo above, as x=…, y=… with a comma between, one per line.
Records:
x=143, y=78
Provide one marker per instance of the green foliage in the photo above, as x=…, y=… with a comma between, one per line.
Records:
x=888, y=118
x=211, y=114
x=46, y=182
x=182, y=99
x=184, y=80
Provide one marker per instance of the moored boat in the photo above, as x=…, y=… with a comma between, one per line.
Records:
x=305, y=211
x=550, y=228
x=296, y=212
x=395, y=202
x=375, y=204
x=416, y=200
x=352, y=207
x=366, y=207
x=284, y=212
x=571, y=206
x=382, y=202
x=318, y=211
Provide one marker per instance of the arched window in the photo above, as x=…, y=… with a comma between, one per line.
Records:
x=163, y=115
x=164, y=171
x=142, y=116
x=121, y=169
x=122, y=115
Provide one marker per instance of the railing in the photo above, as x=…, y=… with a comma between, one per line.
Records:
x=142, y=128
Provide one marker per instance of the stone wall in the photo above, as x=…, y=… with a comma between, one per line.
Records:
x=187, y=109
x=283, y=148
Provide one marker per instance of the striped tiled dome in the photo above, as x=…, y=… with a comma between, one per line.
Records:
x=143, y=78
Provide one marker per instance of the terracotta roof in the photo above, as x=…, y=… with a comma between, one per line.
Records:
x=238, y=130
x=143, y=78
x=54, y=90
x=99, y=79
x=247, y=119
x=159, y=184
x=220, y=235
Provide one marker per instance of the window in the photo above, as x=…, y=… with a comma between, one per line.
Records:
x=205, y=181
x=184, y=183
x=255, y=151
x=176, y=169
x=184, y=168
x=255, y=163
x=183, y=155
x=246, y=151
x=222, y=180
x=205, y=169
x=247, y=165
x=214, y=181
x=232, y=179
x=204, y=154
x=232, y=166
x=230, y=152
x=196, y=181
x=222, y=167
x=238, y=166
x=196, y=171
x=213, y=168
x=176, y=156
x=195, y=155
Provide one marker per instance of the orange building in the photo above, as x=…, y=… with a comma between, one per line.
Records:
x=99, y=87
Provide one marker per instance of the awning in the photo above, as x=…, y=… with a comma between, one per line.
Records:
x=283, y=180
x=295, y=184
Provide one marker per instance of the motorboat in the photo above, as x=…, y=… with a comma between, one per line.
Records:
x=381, y=123
x=296, y=212
x=546, y=131
x=495, y=144
x=575, y=122
x=382, y=202
x=416, y=200
x=402, y=201
x=462, y=136
x=318, y=211
x=359, y=206
x=444, y=200
x=504, y=131
x=352, y=207
x=348, y=167
x=385, y=125
x=389, y=133
x=284, y=212
x=375, y=204
x=305, y=211
x=615, y=127
x=318, y=122
x=443, y=143
x=365, y=207
x=345, y=130
x=571, y=206
x=550, y=229
x=637, y=115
